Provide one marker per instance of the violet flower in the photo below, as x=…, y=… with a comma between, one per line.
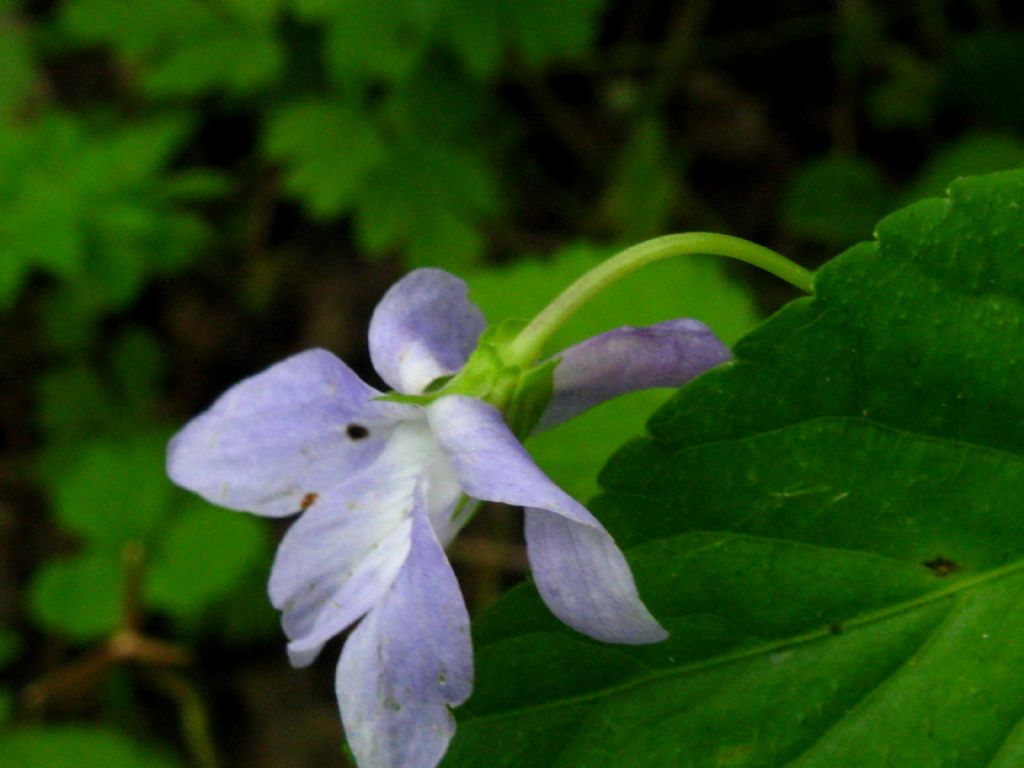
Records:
x=384, y=486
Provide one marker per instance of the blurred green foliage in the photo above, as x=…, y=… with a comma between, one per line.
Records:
x=115, y=495
x=175, y=174
x=10, y=649
x=77, y=747
x=95, y=207
x=836, y=200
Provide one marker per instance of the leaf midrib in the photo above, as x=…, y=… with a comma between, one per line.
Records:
x=963, y=584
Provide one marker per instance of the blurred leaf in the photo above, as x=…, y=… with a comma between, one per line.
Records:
x=10, y=646
x=69, y=316
x=117, y=492
x=835, y=200
x=644, y=188
x=376, y=40
x=203, y=555
x=17, y=65
x=79, y=597
x=239, y=61
x=329, y=149
x=72, y=746
x=982, y=77
x=475, y=32
x=185, y=47
x=860, y=34
x=38, y=228
x=74, y=403
x=971, y=155
x=246, y=617
x=543, y=31
x=91, y=206
x=440, y=106
x=907, y=97
x=196, y=184
x=539, y=31
x=429, y=201
x=696, y=287
x=139, y=365
x=6, y=705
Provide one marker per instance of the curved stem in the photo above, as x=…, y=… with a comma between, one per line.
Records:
x=527, y=346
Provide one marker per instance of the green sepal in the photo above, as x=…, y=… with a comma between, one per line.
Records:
x=487, y=376
x=531, y=397
x=398, y=397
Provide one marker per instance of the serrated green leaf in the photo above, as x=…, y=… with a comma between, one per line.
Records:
x=329, y=149
x=835, y=201
x=72, y=746
x=201, y=557
x=690, y=287
x=828, y=527
x=80, y=597
x=117, y=492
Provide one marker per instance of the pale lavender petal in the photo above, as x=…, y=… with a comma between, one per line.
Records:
x=593, y=591
x=282, y=440
x=425, y=327
x=340, y=557
x=628, y=359
x=584, y=579
x=407, y=662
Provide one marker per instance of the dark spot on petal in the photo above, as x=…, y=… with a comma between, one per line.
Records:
x=836, y=628
x=356, y=431
x=308, y=501
x=392, y=704
x=941, y=566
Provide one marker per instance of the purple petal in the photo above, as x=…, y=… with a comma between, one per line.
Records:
x=425, y=327
x=338, y=559
x=593, y=589
x=407, y=662
x=284, y=439
x=584, y=579
x=627, y=359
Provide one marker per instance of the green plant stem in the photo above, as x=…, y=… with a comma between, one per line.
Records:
x=528, y=345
